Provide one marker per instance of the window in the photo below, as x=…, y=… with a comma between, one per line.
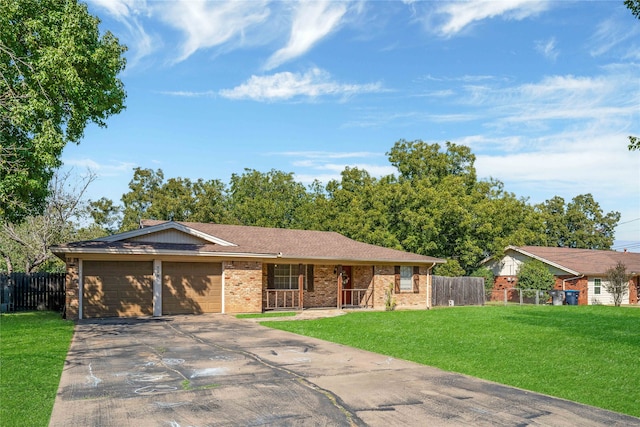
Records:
x=597, y=286
x=407, y=278
x=285, y=276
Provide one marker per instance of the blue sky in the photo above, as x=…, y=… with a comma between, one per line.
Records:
x=544, y=92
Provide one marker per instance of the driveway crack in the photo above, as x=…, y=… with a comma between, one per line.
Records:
x=351, y=418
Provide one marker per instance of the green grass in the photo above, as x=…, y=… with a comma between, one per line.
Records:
x=33, y=347
x=270, y=314
x=584, y=354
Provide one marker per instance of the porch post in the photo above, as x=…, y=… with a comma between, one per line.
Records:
x=339, y=287
x=301, y=286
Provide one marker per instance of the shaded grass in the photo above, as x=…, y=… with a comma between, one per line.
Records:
x=33, y=347
x=270, y=314
x=584, y=354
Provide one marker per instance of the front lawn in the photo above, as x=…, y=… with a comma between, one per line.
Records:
x=33, y=347
x=584, y=354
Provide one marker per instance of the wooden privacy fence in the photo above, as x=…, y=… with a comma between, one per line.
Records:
x=457, y=291
x=37, y=291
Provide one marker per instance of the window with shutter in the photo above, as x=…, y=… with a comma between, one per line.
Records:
x=406, y=278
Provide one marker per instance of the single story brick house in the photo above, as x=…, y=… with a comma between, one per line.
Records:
x=574, y=269
x=167, y=267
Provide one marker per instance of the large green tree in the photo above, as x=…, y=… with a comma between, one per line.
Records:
x=580, y=223
x=57, y=74
x=177, y=199
x=271, y=199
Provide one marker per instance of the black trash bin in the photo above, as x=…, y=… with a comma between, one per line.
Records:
x=571, y=297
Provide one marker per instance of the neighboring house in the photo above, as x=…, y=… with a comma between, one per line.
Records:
x=573, y=269
x=183, y=268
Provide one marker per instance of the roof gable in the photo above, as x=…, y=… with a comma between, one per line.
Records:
x=166, y=232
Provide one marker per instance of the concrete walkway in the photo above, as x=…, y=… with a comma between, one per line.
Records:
x=215, y=370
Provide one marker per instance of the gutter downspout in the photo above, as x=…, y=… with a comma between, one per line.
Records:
x=570, y=278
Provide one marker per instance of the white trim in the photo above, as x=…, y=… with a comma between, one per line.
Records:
x=169, y=225
x=80, y=288
x=157, y=288
x=151, y=251
x=222, y=309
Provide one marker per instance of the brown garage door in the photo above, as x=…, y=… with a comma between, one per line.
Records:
x=191, y=287
x=117, y=288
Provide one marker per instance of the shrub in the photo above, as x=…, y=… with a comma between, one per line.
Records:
x=535, y=275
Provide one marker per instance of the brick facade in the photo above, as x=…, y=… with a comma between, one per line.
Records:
x=581, y=285
x=385, y=278
x=245, y=287
x=242, y=286
x=72, y=301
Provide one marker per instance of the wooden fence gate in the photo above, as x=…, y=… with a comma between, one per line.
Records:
x=36, y=291
x=457, y=291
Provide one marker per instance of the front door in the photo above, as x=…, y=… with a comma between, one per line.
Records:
x=347, y=286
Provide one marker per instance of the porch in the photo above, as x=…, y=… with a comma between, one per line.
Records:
x=293, y=299
x=298, y=287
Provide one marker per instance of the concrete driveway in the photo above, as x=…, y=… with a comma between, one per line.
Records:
x=215, y=370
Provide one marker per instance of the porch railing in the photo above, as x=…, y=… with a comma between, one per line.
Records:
x=282, y=298
x=357, y=298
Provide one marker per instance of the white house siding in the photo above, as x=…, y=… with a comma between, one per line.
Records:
x=511, y=262
x=605, y=297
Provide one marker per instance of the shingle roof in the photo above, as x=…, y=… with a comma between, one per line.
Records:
x=270, y=242
x=583, y=261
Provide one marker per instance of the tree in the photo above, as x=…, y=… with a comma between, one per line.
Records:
x=634, y=7
x=534, y=275
x=143, y=189
x=25, y=246
x=579, y=224
x=417, y=159
x=451, y=268
x=358, y=208
x=105, y=214
x=177, y=199
x=57, y=74
x=634, y=143
x=269, y=199
x=617, y=283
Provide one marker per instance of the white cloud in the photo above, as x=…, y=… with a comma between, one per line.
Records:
x=286, y=85
x=207, y=24
x=547, y=48
x=312, y=21
x=128, y=12
x=189, y=94
x=611, y=35
x=462, y=14
x=101, y=169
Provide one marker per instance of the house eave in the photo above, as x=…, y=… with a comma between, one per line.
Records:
x=160, y=252
x=61, y=252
